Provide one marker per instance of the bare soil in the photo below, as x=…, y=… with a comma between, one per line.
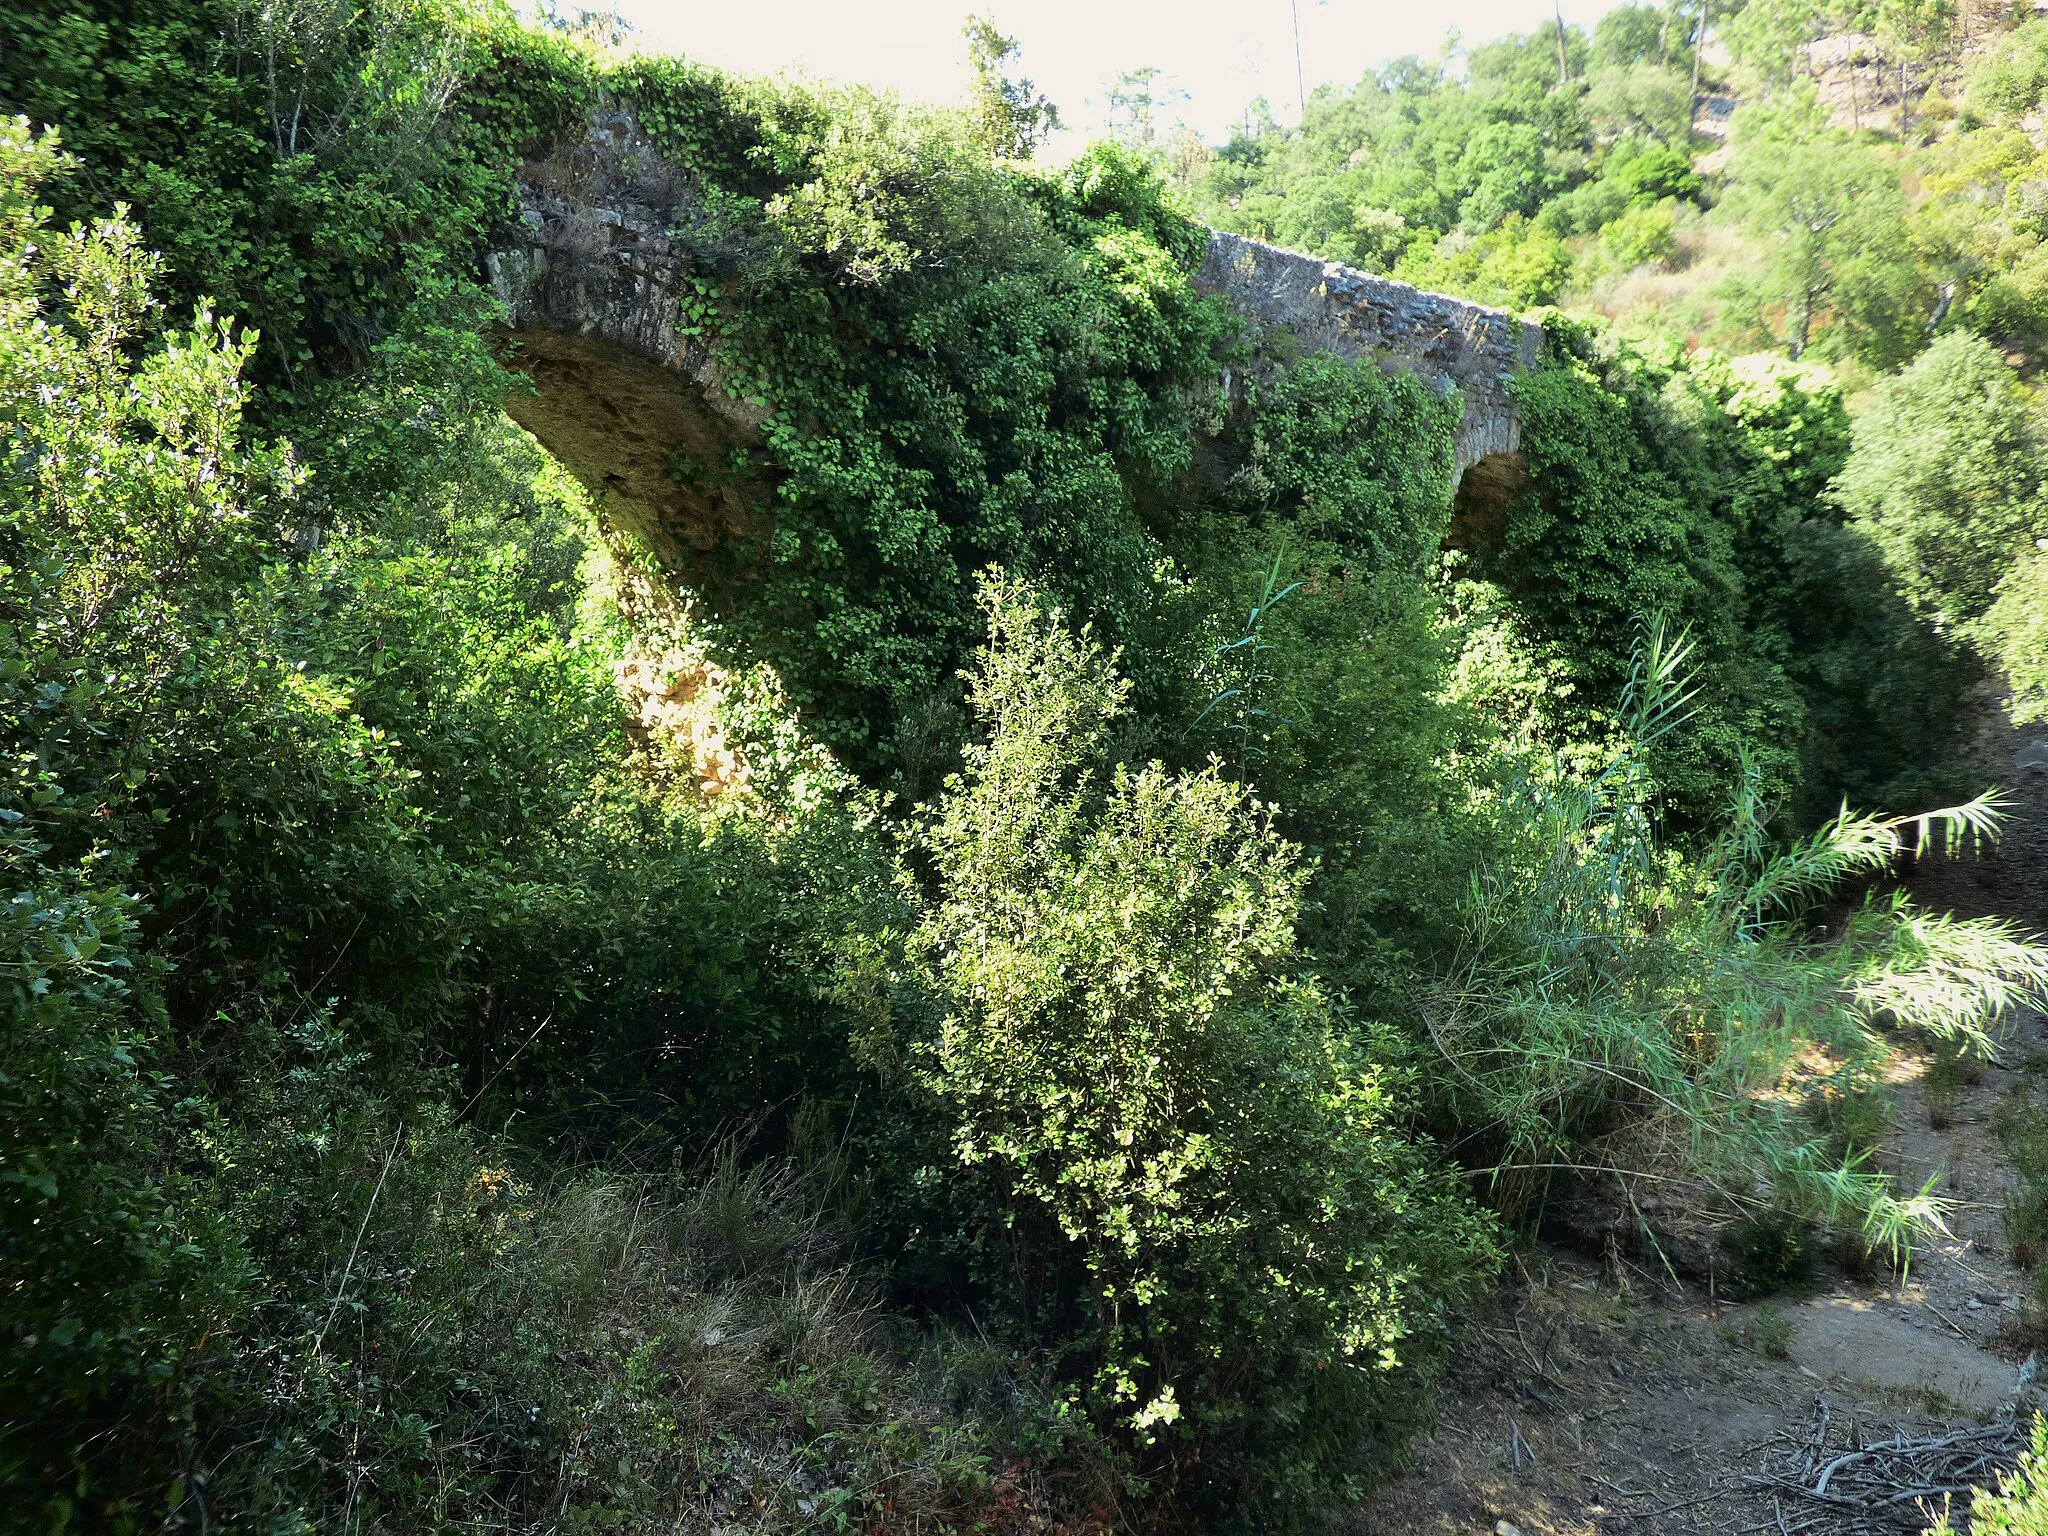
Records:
x=1606, y=1395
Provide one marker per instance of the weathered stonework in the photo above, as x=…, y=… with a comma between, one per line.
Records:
x=1324, y=306
x=596, y=280
x=595, y=283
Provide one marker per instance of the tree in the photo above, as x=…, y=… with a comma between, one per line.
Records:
x=1913, y=31
x=1133, y=102
x=1765, y=36
x=1947, y=474
x=1640, y=98
x=1010, y=115
x=2008, y=82
x=1503, y=165
x=1628, y=34
x=1832, y=216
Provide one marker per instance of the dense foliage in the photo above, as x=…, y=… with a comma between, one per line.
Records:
x=1875, y=206
x=951, y=1013
x=307, y=833
x=1171, y=1152
x=1946, y=475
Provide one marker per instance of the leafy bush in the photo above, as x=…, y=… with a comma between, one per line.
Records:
x=368, y=791
x=2007, y=81
x=302, y=164
x=1518, y=265
x=2019, y=1504
x=2014, y=633
x=1642, y=236
x=320, y=842
x=1652, y=173
x=1694, y=485
x=114, y=1265
x=1164, y=1148
x=1617, y=521
x=1301, y=637
x=967, y=362
x=1352, y=464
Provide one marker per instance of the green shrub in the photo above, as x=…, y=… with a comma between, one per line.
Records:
x=1333, y=711
x=2007, y=81
x=2014, y=634
x=2019, y=1504
x=1355, y=466
x=1168, y=1152
x=114, y=1262
x=1619, y=520
x=1694, y=485
x=1644, y=236
x=308, y=167
x=966, y=363
x=1653, y=173
x=1519, y=265
x=321, y=839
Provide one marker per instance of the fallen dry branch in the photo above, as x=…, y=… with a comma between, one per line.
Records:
x=1835, y=1481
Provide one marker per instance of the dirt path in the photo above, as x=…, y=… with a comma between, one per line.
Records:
x=1603, y=1397
x=1600, y=1397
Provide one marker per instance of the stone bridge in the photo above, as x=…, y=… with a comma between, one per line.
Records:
x=594, y=285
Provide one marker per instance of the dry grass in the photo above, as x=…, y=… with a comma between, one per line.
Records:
x=659, y=1353
x=752, y=1380
x=1686, y=298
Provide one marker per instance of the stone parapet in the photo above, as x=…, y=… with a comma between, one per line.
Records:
x=1325, y=306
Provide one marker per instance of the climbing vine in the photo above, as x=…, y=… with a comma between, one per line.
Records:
x=968, y=364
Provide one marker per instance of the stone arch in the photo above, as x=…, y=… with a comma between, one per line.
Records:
x=1479, y=510
x=593, y=281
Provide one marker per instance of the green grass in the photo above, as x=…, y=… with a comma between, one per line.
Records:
x=1772, y=1331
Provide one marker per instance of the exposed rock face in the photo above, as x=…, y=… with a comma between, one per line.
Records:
x=597, y=279
x=1325, y=306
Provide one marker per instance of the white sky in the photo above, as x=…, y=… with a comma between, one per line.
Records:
x=1224, y=55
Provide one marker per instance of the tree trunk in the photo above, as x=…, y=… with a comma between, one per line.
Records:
x=1699, y=47
x=1941, y=307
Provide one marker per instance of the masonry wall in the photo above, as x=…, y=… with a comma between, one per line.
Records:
x=1324, y=306
x=593, y=284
